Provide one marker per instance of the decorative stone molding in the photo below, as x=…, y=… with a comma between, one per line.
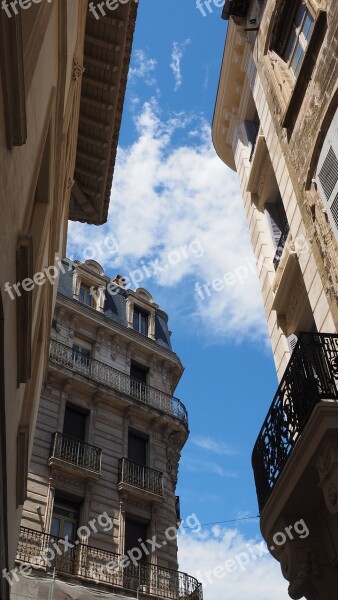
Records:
x=96, y=399
x=56, y=478
x=69, y=183
x=114, y=347
x=327, y=467
x=72, y=327
x=175, y=443
x=66, y=387
x=78, y=69
x=99, y=339
x=50, y=381
x=130, y=311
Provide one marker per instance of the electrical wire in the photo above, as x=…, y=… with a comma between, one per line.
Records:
x=221, y=522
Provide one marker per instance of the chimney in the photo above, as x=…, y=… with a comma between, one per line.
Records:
x=120, y=281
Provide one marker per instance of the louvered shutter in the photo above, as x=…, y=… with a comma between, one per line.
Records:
x=277, y=219
x=327, y=174
x=292, y=341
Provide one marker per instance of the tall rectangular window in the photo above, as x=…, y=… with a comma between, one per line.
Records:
x=75, y=422
x=80, y=355
x=85, y=296
x=299, y=36
x=140, y=321
x=137, y=447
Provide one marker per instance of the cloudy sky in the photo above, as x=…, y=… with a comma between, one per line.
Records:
x=176, y=224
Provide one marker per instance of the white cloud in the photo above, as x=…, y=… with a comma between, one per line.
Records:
x=208, y=443
x=196, y=465
x=252, y=572
x=176, y=57
x=173, y=198
x=143, y=67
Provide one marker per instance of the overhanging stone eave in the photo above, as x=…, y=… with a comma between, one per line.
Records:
x=225, y=99
x=94, y=175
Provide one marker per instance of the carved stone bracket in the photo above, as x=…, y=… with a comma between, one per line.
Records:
x=50, y=381
x=78, y=68
x=174, y=447
x=66, y=387
x=327, y=467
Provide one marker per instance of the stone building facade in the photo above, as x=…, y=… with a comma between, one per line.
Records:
x=62, y=81
x=276, y=124
x=108, y=440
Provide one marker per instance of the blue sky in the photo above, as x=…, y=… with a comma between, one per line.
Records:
x=174, y=202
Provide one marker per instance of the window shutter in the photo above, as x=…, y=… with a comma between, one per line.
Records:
x=327, y=174
x=292, y=341
x=277, y=218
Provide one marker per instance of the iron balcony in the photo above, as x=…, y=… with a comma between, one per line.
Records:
x=68, y=451
x=63, y=356
x=100, y=566
x=310, y=377
x=139, y=476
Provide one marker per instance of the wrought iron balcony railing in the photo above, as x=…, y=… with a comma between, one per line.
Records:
x=281, y=245
x=140, y=476
x=79, y=560
x=75, y=452
x=63, y=355
x=310, y=377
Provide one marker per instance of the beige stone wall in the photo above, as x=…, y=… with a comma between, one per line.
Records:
x=111, y=414
x=52, y=36
x=305, y=284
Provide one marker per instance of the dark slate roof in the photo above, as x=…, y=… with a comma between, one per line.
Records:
x=115, y=307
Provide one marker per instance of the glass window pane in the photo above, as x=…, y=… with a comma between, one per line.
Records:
x=297, y=59
x=144, y=324
x=68, y=530
x=290, y=46
x=55, y=527
x=307, y=27
x=136, y=318
x=300, y=14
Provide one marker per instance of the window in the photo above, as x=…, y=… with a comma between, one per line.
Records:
x=327, y=174
x=85, y=296
x=136, y=532
x=80, y=355
x=140, y=321
x=75, y=422
x=138, y=372
x=137, y=447
x=138, y=387
x=299, y=36
x=64, y=521
x=279, y=227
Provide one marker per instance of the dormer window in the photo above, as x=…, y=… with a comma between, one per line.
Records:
x=299, y=36
x=140, y=321
x=89, y=284
x=85, y=295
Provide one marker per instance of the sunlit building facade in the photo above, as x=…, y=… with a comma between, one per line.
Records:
x=106, y=450
x=63, y=76
x=276, y=124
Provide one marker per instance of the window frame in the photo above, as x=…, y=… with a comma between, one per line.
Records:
x=138, y=310
x=86, y=288
x=299, y=37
